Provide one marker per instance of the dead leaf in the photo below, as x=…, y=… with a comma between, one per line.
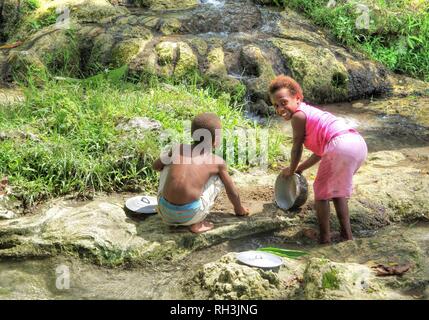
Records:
x=11, y=45
x=397, y=270
x=3, y=183
x=310, y=233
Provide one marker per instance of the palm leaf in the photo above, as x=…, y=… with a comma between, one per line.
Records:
x=293, y=254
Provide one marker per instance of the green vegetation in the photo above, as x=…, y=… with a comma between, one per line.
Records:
x=397, y=35
x=63, y=139
x=35, y=23
x=292, y=254
x=25, y=20
x=330, y=280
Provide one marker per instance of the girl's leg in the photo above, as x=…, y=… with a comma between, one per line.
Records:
x=322, y=211
x=342, y=209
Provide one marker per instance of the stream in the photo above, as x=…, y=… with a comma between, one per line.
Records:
x=36, y=279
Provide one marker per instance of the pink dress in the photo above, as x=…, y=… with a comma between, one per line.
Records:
x=342, y=149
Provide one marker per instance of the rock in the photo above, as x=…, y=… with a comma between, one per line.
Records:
x=170, y=26
x=187, y=60
x=234, y=16
x=26, y=284
x=324, y=279
x=257, y=66
x=168, y=4
x=227, y=279
x=7, y=214
x=20, y=63
x=92, y=10
x=139, y=124
x=237, y=38
x=102, y=232
x=262, y=108
x=175, y=58
x=217, y=71
x=305, y=61
x=125, y=51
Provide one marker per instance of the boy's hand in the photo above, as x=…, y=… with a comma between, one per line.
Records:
x=242, y=212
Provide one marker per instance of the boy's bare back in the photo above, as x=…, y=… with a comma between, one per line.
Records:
x=190, y=171
x=188, y=175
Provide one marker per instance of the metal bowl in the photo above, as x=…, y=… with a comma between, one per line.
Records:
x=290, y=192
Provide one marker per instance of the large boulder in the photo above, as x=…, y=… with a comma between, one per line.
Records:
x=102, y=232
x=168, y=4
x=227, y=279
x=234, y=44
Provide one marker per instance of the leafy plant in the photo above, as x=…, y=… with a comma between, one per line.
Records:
x=292, y=254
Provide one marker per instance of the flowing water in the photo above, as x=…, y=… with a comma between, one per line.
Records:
x=38, y=279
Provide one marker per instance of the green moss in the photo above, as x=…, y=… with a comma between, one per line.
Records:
x=330, y=280
x=397, y=34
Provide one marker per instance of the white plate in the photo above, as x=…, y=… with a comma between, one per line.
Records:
x=142, y=204
x=259, y=259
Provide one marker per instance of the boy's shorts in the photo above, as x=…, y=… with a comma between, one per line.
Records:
x=191, y=213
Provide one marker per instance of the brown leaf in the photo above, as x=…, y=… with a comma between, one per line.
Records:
x=397, y=270
x=310, y=233
x=11, y=45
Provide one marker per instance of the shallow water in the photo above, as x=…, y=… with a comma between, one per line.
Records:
x=381, y=131
x=37, y=279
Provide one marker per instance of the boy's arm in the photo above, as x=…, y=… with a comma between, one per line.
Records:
x=158, y=165
x=231, y=191
x=165, y=159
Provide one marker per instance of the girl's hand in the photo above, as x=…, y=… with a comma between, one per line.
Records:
x=286, y=172
x=299, y=170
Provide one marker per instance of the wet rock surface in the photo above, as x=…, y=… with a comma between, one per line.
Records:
x=102, y=232
x=251, y=43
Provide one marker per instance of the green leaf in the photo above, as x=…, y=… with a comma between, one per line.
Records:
x=293, y=254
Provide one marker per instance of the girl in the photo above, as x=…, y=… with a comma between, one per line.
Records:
x=340, y=149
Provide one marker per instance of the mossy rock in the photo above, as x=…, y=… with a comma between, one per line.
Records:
x=227, y=279
x=168, y=4
x=259, y=69
x=23, y=63
x=125, y=51
x=324, y=279
x=322, y=77
x=170, y=26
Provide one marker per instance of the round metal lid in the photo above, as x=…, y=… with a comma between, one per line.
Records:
x=286, y=191
x=259, y=259
x=142, y=204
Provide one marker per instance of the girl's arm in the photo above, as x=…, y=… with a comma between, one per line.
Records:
x=298, y=126
x=308, y=163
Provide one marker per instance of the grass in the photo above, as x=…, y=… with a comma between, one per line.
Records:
x=75, y=147
x=27, y=20
x=398, y=33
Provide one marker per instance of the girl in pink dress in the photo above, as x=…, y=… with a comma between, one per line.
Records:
x=340, y=149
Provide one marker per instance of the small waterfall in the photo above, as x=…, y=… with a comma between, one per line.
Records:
x=214, y=3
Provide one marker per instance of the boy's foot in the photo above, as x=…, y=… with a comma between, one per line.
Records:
x=201, y=227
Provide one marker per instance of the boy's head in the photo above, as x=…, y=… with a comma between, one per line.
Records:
x=209, y=123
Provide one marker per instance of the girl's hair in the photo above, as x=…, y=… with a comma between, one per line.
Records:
x=283, y=81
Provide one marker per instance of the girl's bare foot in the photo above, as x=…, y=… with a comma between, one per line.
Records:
x=201, y=227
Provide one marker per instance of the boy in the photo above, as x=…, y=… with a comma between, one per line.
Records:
x=191, y=178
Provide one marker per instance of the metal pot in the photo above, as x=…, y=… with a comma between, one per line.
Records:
x=290, y=192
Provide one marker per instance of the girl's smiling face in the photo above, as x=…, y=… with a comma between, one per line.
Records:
x=285, y=103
